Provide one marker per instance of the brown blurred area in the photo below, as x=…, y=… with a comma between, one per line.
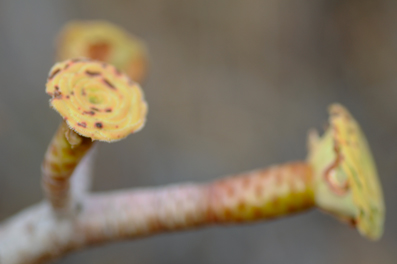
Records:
x=234, y=85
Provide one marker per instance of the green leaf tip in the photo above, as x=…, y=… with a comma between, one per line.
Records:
x=346, y=179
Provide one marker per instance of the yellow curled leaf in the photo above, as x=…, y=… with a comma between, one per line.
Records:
x=96, y=100
x=346, y=177
x=101, y=40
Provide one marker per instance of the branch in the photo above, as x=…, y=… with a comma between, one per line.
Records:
x=36, y=236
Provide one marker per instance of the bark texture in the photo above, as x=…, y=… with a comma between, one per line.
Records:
x=37, y=234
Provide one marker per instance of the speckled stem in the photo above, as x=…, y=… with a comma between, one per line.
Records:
x=35, y=236
x=262, y=194
x=258, y=195
x=63, y=155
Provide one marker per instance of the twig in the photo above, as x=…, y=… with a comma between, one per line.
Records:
x=36, y=236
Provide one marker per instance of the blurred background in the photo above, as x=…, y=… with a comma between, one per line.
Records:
x=233, y=85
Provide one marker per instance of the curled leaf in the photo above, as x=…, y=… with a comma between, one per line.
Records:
x=96, y=100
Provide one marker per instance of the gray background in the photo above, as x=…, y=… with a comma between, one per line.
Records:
x=234, y=85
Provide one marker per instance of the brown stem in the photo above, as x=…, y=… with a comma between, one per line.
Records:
x=63, y=155
x=35, y=236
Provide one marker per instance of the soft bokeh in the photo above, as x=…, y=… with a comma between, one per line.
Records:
x=233, y=85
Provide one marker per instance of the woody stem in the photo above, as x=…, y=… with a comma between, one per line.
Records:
x=258, y=195
x=34, y=237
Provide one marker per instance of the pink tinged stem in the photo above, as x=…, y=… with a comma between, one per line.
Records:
x=35, y=236
x=258, y=195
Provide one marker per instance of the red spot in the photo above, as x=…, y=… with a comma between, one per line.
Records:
x=264, y=174
x=353, y=222
x=228, y=214
x=258, y=213
x=292, y=208
x=83, y=92
x=229, y=190
x=92, y=73
x=279, y=178
x=117, y=126
x=57, y=94
x=258, y=190
x=246, y=182
x=55, y=167
x=241, y=206
x=99, y=51
x=82, y=124
x=70, y=166
x=54, y=151
x=275, y=202
x=67, y=96
x=111, y=86
x=108, y=110
x=99, y=125
x=54, y=73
